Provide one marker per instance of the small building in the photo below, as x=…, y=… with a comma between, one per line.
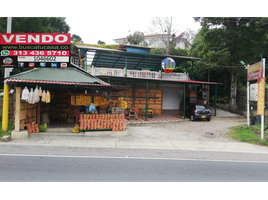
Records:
x=135, y=67
x=62, y=93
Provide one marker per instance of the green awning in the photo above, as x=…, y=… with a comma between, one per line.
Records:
x=61, y=76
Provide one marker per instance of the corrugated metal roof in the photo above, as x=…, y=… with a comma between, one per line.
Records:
x=67, y=76
x=111, y=58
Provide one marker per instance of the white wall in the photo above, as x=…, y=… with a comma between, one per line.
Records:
x=172, y=96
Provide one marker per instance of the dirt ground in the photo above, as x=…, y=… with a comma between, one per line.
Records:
x=215, y=130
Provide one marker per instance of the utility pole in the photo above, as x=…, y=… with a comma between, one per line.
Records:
x=6, y=88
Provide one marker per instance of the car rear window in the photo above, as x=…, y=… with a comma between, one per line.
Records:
x=199, y=107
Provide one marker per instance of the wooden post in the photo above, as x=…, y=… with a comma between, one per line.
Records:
x=184, y=100
x=38, y=109
x=146, y=118
x=80, y=60
x=17, y=109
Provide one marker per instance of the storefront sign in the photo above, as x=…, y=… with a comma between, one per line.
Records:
x=261, y=97
x=253, y=92
x=253, y=71
x=35, y=49
x=168, y=65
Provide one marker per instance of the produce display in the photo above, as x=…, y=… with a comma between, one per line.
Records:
x=32, y=128
x=114, y=122
x=100, y=101
x=43, y=127
x=122, y=103
x=76, y=129
x=80, y=100
x=85, y=100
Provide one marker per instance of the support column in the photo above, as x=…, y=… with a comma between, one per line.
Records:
x=184, y=99
x=126, y=67
x=215, y=114
x=192, y=78
x=5, y=108
x=17, y=109
x=248, y=102
x=146, y=100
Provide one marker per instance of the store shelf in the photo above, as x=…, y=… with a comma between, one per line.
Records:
x=138, y=98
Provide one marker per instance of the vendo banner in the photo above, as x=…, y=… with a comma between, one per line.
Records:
x=35, y=50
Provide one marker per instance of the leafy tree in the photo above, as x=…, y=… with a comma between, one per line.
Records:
x=101, y=42
x=76, y=38
x=136, y=39
x=224, y=42
x=165, y=25
x=35, y=25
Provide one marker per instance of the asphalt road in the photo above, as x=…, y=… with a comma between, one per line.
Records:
x=42, y=168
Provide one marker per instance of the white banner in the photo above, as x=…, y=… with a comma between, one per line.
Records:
x=43, y=58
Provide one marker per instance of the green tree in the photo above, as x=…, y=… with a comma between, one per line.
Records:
x=137, y=38
x=76, y=38
x=101, y=42
x=35, y=25
x=224, y=42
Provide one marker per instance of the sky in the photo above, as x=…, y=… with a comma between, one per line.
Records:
x=108, y=28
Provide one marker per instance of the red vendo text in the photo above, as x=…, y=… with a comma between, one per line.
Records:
x=35, y=38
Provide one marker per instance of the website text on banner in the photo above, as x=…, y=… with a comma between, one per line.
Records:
x=35, y=50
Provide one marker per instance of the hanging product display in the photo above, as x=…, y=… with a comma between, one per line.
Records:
x=40, y=92
x=43, y=99
x=25, y=94
x=30, y=99
x=100, y=101
x=48, y=97
x=86, y=100
x=36, y=95
x=33, y=96
x=73, y=101
x=80, y=100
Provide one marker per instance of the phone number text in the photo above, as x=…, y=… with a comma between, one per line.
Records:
x=38, y=53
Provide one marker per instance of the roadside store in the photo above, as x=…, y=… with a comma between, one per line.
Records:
x=150, y=86
x=60, y=96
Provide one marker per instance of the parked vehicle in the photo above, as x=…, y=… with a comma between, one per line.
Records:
x=198, y=111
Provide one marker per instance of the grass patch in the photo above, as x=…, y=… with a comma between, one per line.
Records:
x=10, y=128
x=250, y=135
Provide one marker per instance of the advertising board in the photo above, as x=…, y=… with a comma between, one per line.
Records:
x=168, y=64
x=261, y=97
x=35, y=50
x=253, y=71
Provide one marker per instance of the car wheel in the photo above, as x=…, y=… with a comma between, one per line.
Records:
x=192, y=118
x=208, y=119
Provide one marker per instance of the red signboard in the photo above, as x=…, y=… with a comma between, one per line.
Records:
x=35, y=49
x=35, y=38
x=253, y=71
x=38, y=53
